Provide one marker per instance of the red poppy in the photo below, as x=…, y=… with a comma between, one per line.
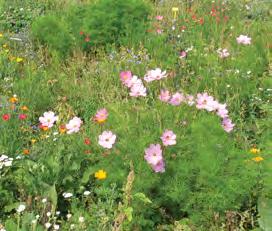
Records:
x=22, y=116
x=81, y=33
x=6, y=117
x=87, y=141
x=87, y=39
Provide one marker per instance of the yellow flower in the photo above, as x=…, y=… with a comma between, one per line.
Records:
x=258, y=159
x=100, y=175
x=18, y=59
x=175, y=10
x=1, y=35
x=33, y=141
x=4, y=45
x=255, y=150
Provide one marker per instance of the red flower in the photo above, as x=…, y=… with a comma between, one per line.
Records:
x=87, y=141
x=81, y=33
x=201, y=21
x=22, y=116
x=87, y=39
x=6, y=117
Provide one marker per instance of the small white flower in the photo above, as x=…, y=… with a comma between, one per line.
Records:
x=34, y=221
x=69, y=215
x=56, y=227
x=67, y=195
x=21, y=208
x=48, y=214
x=47, y=225
x=44, y=200
x=72, y=226
x=37, y=217
x=81, y=219
x=86, y=193
x=58, y=213
x=55, y=133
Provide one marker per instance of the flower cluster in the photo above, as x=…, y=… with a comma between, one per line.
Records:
x=223, y=53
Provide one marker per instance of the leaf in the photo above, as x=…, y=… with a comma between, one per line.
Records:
x=142, y=197
x=53, y=196
x=9, y=208
x=10, y=225
x=265, y=212
x=128, y=211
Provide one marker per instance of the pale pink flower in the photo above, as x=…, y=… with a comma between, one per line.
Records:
x=221, y=110
x=137, y=90
x=159, y=31
x=243, y=39
x=227, y=124
x=101, y=115
x=126, y=77
x=74, y=125
x=153, y=154
x=205, y=101
x=48, y=119
x=223, y=53
x=177, y=99
x=155, y=74
x=159, y=17
x=165, y=96
x=159, y=167
x=168, y=138
x=182, y=54
x=107, y=139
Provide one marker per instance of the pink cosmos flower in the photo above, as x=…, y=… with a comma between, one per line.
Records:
x=101, y=115
x=227, y=124
x=126, y=77
x=159, y=31
x=223, y=53
x=159, y=167
x=155, y=74
x=48, y=119
x=243, y=39
x=205, y=101
x=74, y=125
x=177, y=99
x=159, y=17
x=182, y=54
x=168, y=138
x=153, y=154
x=137, y=89
x=221, y=110
x=107, y=139
x=165, y=96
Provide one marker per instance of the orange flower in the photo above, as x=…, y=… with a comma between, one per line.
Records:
x=24, y=108
x=13, y=99
x=258, y=159
x=62, y=129
x=26, y=151
x=44, y=128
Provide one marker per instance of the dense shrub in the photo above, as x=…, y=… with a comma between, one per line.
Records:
x=117, y=22
x=53, y=32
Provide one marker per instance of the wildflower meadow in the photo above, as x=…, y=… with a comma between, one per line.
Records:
x=135, y=115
